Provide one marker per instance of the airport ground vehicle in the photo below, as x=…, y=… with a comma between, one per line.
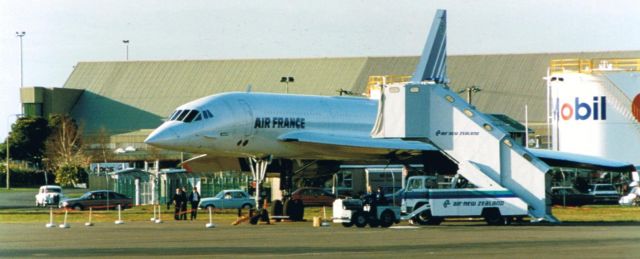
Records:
x=425, y=205
x=312, y=196
x=633, y=197
x=363, y=212
x=396, y=197
x=48, y=195
x=569, y=196
x=229, y=199
x=102, y=199
x=604, y=193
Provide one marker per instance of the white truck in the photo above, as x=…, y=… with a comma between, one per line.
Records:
x=425, y=205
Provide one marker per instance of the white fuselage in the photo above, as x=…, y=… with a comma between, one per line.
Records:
x=249, y=124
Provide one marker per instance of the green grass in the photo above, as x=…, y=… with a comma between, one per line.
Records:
x=595, y=213
x=592, y=213
x=140, y=213
x=19, y=189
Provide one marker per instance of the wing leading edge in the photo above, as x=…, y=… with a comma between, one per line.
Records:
x=354, y=141
x=563, y=159
x=552, y=158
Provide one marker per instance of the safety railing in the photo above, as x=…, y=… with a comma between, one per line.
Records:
x=591, y=65
x=374, y=85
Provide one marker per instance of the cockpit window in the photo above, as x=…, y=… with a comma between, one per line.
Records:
x=182, y=115
x=191, y=115
x=199, y=117
x=209, y=113
x=205, y=114
x=174, y=115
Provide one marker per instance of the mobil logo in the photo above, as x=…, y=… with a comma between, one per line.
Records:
x=580, y=111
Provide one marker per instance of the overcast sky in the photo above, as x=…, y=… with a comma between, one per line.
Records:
x=61, y=33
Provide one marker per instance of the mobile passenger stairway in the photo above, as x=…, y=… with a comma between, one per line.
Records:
x=425, y=109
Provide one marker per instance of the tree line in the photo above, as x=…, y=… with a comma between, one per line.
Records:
x=54, y=144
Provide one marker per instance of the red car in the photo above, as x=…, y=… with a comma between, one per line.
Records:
x=313, y=196
x=98, y=200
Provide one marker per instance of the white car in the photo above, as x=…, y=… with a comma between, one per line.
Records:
x=49, y=195
x=604, y=193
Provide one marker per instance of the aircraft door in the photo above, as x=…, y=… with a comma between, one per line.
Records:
x=245, y=123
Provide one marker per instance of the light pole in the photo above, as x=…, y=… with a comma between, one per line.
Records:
x=126, y=45
x=286, y=80
x=8, y=144
x=20, y=35
x=470, y=91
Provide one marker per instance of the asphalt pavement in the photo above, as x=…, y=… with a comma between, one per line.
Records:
x=21, y=198
x=192, y=239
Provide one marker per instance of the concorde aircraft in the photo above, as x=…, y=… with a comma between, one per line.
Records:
x=244, y=124
x=297, y=127
x=260, y=127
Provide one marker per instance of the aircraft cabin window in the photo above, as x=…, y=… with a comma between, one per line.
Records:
x=175, y=115
x=192, y=115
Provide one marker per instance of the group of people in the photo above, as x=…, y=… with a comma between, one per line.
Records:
x=180, y=201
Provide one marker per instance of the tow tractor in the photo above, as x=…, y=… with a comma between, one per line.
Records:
x=363, y=212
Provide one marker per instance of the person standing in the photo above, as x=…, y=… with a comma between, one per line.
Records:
x=194, y=198
x=183, y=208
x=177, y=201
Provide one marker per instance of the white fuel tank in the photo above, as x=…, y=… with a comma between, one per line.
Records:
x=597, y=113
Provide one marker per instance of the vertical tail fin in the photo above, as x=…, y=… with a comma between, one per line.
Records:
x=433, y=62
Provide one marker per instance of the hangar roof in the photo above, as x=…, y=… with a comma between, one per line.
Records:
x=134, y=95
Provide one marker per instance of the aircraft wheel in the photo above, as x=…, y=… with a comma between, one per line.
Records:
x=277, y=210
x=287, y=208
x=299, y=210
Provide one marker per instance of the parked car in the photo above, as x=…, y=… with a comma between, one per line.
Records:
x=312, y=196
x=229, y=199
x=604, y=193
x=97, y=200
x=569, y=196
x=48, y=195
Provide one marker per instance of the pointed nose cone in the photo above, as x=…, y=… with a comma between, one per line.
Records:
x=162, y=137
